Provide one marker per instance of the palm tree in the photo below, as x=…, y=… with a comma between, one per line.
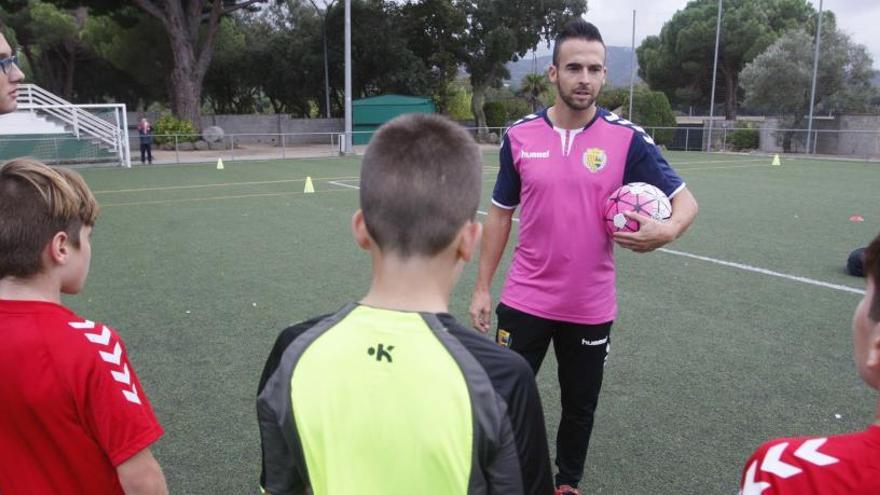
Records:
x=532, y=87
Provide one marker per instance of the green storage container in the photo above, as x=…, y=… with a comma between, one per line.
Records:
x=370, y=113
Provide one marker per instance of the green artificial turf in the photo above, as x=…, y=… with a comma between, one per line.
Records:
x=199, y=270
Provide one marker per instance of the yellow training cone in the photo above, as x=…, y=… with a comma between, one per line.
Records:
x=310, y=188
x=776, y=161
x=219, y=164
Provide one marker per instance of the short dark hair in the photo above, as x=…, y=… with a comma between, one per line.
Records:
x=420, y=182
x=37, y=202
x=576, y=28
x=872, y=271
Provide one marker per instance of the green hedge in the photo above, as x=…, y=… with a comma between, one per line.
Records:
x=516, y=108
x=650, y=109
x=496, y=114
x=744, y=138
x=168, y=125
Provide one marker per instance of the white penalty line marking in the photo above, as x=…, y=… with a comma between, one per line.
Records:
x=749, y=268
x=764, y=271
x=342, y=184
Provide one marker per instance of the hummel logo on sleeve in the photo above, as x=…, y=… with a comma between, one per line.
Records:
x=615, y=119
x=113, y=357
x=772, y=463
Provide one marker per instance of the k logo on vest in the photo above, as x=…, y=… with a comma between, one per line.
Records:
x=381, y=351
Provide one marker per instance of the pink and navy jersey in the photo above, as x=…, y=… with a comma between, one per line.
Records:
x=838, y=465
x=563, y=265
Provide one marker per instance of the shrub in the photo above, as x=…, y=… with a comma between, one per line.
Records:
x=745, y=137
x=458, y=104
x=652, y=109
x=168, y=125
x=496, y=114
x=614, y=98
x=516, y=108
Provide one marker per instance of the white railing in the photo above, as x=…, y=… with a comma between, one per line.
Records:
x=82, y=122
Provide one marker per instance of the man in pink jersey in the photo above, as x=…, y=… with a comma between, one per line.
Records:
x=559, y=167
x=838, y=465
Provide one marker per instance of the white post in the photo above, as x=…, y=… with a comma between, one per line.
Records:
x=815, y=70
x=714, y=72
x=348, y=76
x=632, y=69
x=126, y=145
x=75, y=121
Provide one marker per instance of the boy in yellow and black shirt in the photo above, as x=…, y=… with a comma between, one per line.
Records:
x=391, y=394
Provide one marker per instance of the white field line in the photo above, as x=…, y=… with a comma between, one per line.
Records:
x=342, y=184
x=710, y=162
x=755, y=269
x=220, y=184
x=723, y=167
x=749, y=268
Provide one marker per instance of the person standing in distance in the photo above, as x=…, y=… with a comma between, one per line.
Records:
x=559, y=166
x=145, y=133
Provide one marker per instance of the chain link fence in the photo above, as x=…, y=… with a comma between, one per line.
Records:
x=69, y=150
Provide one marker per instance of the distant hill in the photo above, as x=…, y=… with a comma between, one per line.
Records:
x=618, y=67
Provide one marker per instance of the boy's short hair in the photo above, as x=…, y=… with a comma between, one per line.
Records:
x=36, y=202
x=872, y=271
x=576, y=28
x=420, y=182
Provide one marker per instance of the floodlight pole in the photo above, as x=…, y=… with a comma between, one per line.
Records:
x=714, y=72
x=815, y=70
x=632, y=68
x=347, y=76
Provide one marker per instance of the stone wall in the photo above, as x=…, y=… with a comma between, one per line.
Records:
x=252, y=129
x=856, y=136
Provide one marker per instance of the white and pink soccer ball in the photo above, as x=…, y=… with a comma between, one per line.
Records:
x=638, y=197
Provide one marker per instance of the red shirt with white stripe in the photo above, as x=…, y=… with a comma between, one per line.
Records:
x=843, y=464
x=72, y=406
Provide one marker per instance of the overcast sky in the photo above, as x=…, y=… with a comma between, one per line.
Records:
x=858, y=18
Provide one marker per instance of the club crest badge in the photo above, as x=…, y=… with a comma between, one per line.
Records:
x=503, y=338
x=595, y=159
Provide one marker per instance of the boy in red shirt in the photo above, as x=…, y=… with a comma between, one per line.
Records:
x=74, y=416
x=836, y=465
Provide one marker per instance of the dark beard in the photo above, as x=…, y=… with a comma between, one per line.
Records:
x=571, y=103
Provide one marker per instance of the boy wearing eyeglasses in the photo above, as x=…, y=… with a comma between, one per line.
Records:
x=10, y=76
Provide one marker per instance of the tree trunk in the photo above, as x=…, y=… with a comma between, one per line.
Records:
x=477, y=101
x=191, y=59
x=732, y=79
x=187, y=96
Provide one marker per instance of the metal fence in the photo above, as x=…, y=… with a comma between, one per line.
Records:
x=67, y=149
x=850, y=143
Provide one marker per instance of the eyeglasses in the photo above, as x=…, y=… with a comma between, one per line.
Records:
x=7, y=62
